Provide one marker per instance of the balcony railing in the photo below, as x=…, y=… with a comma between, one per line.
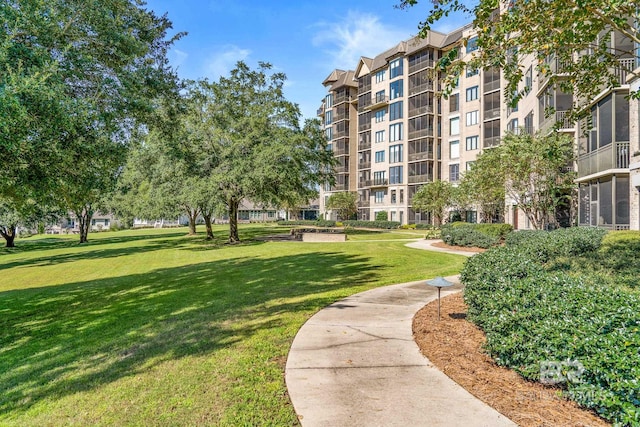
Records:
x=364, y=165
x=422, y=155
x=420, y=133
x=364, y=183
x=341, y=98
x=612, y=156
x=627, y=65
x=341, y=169
x=320, y=112
x=341, y=151
x=364, y=126
x=421, y=65
x=341, y=133
x=491, y=141
x=420, y=88
x=492, y=113
x=491, y=86
x=340, y=187
x=379, y=102
x=364, y=145
x=415, y=179
x=561, y=118
x=418, y=111
x=364, y=203
x=380, y=182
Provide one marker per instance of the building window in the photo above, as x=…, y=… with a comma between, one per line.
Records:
x=454, y=102
x=329, y=101
x=471, y=72
x=401, y=196
x=380, y=76
x=528, y=80
x=329, y=133
x=472, y=93
x=454, y=173
x=472, y=118
x=379, y=156
x=472, y=143
x=395, y=132
x=380, y=115
x=454, y=126
x=395, y=153
x=380, y=178
x=395, y=175
x=469, y=165
x=379, y=196
x=512, y=125
x=395, y=111
x=454, y=149
x=393, y=196
x=395, y=89
x=472, y=44
x=328, y=117
x=380, y=96
x=395, y=68
x=380, y=136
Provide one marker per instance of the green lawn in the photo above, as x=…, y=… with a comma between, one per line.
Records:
x=152, y=327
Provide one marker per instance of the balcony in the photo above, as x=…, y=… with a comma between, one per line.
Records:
x=421, y=65
x=413, y=90
x=559, y=119
x=341, y=98
x=364, y=165
x=422, y=155
x=364, y=203
x=416, y=179
x=364, y=145
x=341, y=133
x=612, y=156
x=492, y=141
x=420, y=133
x=627, y=65
x=491, y=86
x=364, y=183
x=341, y=169
x=556, y=66
x=380, y=183
x=320, y=112
x=364, y=126
x=418, y=111
x=378, y=102
x=341, y=151
x=340, y=187
x=492, y=113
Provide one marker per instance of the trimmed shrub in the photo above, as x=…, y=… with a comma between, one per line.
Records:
x=372, y=224
x=464, y=234
x=533, y=314
x=382, y=216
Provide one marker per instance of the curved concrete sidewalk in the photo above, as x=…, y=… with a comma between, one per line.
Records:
x=355, y=363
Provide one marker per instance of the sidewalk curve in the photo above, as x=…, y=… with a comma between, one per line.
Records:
x=355, y=363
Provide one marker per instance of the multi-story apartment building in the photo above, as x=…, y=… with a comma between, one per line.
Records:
x=409, y=135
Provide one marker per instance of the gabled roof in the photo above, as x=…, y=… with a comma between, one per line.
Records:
x=335, y=75
x=364, y=66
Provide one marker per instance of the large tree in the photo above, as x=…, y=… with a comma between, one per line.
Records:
x=260, y=150
x=434, y=197
x=345, y=203
x=553, y=32
x=76, y=80
x=536, y=173
x=484, y=186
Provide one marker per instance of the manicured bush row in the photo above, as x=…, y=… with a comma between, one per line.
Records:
x=316, y=223
x=534, y=315
x=479, y=235
x=372, y=224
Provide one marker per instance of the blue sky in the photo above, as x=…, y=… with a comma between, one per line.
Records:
x=305, y=39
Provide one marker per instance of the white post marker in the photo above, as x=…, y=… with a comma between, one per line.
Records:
x=439, y=282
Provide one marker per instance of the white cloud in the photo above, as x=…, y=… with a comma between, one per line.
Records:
x=177, y=57
x=224, y=60
x=357, y=34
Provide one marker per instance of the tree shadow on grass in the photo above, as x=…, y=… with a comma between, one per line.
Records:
x=61, y=340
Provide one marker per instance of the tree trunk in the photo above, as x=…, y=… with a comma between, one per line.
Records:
x=233, y=220
x=84, y=218
x=9, y=234
x=207, y=222
x=193, y=216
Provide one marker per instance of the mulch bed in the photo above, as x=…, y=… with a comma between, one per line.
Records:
x=454, y=345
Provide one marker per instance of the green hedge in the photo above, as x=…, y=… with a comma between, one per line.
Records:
x=372, y=224
x=316, y=223
x=478, y=235
x=533, y=315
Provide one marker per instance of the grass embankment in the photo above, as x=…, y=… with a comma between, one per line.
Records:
x=154, y=327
